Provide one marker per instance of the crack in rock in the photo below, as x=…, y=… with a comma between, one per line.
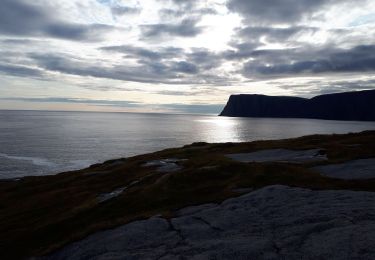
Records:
x=178, y=232
x=208, y=224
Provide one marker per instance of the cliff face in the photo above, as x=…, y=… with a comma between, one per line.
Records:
x=358, y=105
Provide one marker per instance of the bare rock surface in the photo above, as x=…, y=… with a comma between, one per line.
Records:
x=275, y=222
x=110, y=195
x=356, y=169
x=280, y=155
x=166, y=165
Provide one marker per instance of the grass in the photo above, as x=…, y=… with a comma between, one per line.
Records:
x=42, y=214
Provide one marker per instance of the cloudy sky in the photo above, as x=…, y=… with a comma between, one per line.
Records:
x=180, y=55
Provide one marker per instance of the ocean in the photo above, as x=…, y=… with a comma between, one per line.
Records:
x=48, y=142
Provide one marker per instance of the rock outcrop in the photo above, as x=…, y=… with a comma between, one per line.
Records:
x=276, y=222
x=359, y=106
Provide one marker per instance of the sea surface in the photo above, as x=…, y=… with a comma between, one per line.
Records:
x=48, y=142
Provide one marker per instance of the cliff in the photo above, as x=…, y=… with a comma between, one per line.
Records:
x=358, y=105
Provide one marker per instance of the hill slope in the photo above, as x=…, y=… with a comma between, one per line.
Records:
x=41, y=214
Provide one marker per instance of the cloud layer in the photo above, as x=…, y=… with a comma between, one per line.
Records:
x=246, y=45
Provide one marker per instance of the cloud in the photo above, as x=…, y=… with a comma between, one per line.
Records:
x=131, y=51
x=148, y=70
x=78, y=32
x=358, y=59
x=276, y=11
x=20, y=71
x=124, y=10
x=114, y=103
x=256, y=34
x=184, y=67
x=319, y=87
x=186, y=28
x=196, y=59
x=180, y=12
x=19, y=41
x=177, y=107
x=167, y=60
x=183, y=4
x=199, y=44
x=205, y=59
x=20, y=18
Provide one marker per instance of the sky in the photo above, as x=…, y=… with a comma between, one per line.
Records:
x=180, y=56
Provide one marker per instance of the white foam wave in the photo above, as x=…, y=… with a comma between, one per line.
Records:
x=34, y=160
x=79, y=164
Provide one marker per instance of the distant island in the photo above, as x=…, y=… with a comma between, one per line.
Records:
x=356, y=106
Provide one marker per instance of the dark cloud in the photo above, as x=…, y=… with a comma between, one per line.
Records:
x=204, y=58
x=272, y=34
x=294, y=62
x=276, y=11
x=320, y=87
x=169, y=61
x=179, y=12
x=270, y=12
x=22, y=18
x=17, y=17
x=12, y=41
x=349, y=85
x=184, y=67
x=148, y=71
x=170, y=12
x=20, y=71
x=124, y=10
x=240, y=51
x=186, y=4
x=146, y=74
x=186, y=28
x=141, y=52
x=78, y=32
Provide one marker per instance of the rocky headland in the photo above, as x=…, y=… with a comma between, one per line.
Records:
x=357, y=106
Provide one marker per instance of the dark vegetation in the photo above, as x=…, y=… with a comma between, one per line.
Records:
x=359, y=105
x=42, y=214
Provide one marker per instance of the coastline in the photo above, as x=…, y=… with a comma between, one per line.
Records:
x=42, y=214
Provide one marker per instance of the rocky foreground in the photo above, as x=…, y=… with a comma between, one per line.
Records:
x=275, y=222
x=305, y=198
